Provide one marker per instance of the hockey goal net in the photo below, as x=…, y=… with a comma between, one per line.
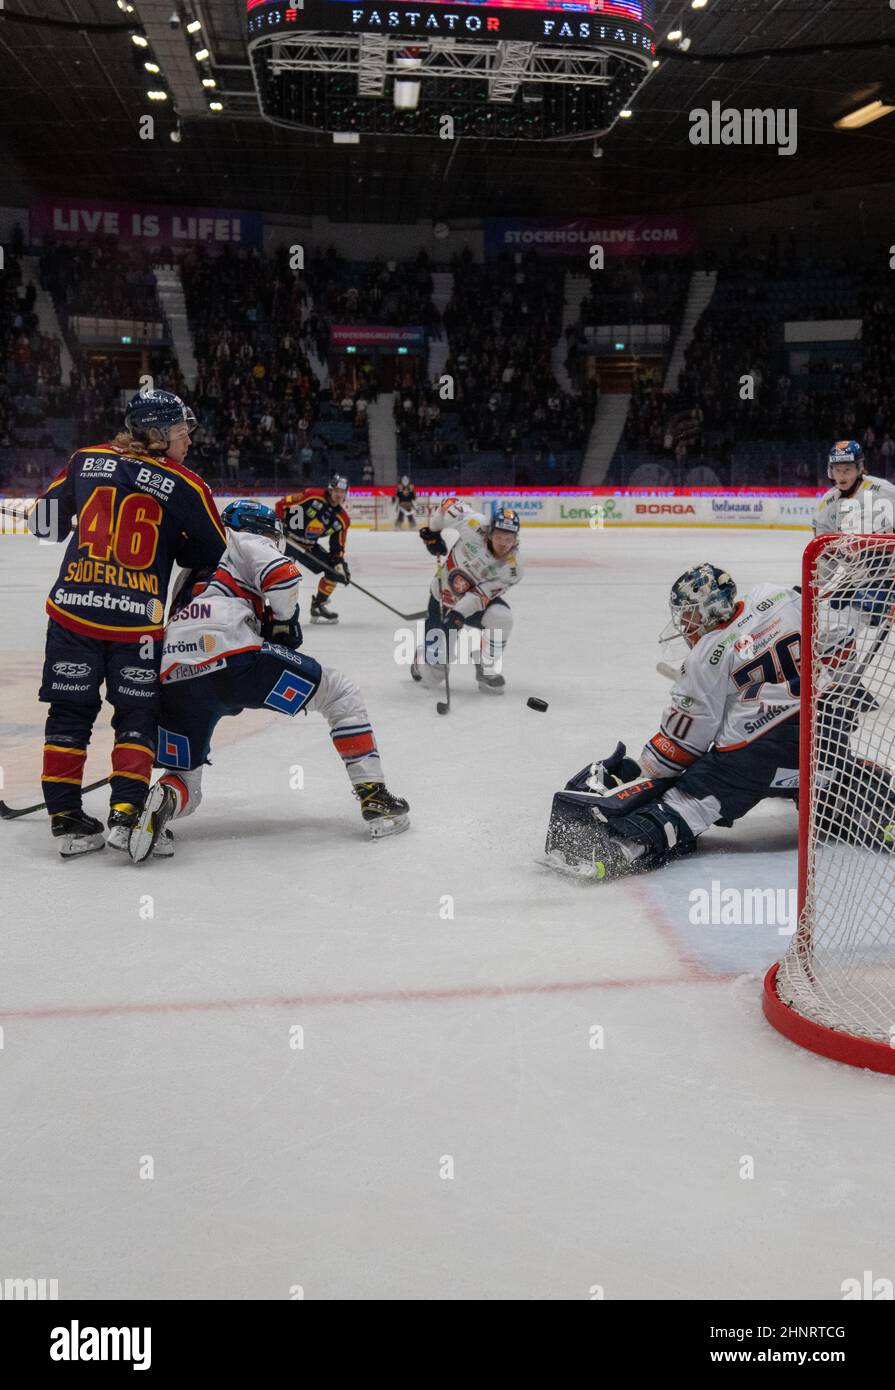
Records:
x=834, y=991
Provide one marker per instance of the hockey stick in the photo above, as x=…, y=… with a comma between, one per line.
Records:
x=296, y=551
x=7, y=812
x=671, y=673
x=444, y=706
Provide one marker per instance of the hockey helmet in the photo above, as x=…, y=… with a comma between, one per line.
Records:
x=846, y=451
x=150, y=416
x=504, y=519
x=255, y=517
x=701, y=599
x=337, y=483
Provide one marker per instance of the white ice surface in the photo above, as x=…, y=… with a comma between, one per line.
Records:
x=168, y=1036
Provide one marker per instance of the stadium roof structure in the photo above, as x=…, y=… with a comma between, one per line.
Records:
x=73, y=88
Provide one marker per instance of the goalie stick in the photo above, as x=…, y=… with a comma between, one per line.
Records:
x=299, y=554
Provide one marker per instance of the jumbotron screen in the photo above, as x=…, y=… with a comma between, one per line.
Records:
x=623, y=24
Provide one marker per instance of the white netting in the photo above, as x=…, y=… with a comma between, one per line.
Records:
x=840, y=969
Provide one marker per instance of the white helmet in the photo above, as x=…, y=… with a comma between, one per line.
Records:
x=702, y=598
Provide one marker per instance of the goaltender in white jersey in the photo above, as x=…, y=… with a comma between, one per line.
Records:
x=728, y=737
x=857, y=504
x=740, y=680
x=468, y=589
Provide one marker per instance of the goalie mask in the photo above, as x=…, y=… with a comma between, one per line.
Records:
x=701, y=599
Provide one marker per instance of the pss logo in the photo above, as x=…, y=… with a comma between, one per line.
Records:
x=72, y=670
x=138, y=675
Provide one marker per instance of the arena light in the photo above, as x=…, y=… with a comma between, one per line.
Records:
x=201, y=54
x=698, y=4
x=215, y=106
x=407, y=84
x=675, y=35
x=152, y=67
x=864, y=115
x=626, y=114
x=140, y=40
x=208, y=82
x=194, y=26
x=157, y=96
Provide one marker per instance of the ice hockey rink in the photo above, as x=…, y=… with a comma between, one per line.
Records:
x=293, y=1062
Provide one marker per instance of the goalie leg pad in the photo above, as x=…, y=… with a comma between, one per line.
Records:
x=581, y=834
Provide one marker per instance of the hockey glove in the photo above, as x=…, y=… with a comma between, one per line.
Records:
x=287, y=634
x=452, y=621
x=433, y=541
x=877, y=602
x=343, y=573
x=613, y=771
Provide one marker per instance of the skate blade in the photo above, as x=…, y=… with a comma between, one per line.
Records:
x=73, y=846
x=142, y=837
x=389, y=825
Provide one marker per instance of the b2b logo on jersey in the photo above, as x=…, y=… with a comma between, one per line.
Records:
x=157, y=481
x=94, y=465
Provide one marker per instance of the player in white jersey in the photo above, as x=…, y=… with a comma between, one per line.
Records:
x=468, y=591
x=729, y=734
x=231, y=644
x=857, y=504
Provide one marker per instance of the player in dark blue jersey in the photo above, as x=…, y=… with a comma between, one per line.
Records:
x=129, y=510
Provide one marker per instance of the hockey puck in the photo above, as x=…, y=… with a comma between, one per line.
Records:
x=534, y=703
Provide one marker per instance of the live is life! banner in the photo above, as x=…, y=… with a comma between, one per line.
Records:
x=82, y=219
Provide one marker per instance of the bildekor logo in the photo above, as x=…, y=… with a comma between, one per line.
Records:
x=77, y=1343
x=751, y=126
x=749, y=907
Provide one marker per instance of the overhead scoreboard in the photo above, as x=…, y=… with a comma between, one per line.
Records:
x=620, y=24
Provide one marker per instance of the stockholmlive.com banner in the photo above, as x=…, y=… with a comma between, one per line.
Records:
x=661, y=235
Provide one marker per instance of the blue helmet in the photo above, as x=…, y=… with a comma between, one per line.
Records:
x=256, y=517
x=846, y=451
x=151, y=414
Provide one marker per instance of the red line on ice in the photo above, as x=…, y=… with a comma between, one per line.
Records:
x=385, y=996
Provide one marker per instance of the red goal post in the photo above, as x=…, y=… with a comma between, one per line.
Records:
x=834, y=990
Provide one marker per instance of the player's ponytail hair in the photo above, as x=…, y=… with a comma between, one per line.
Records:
x=125, y=440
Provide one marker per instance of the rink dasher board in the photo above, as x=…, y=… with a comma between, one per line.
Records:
x=598, y=510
